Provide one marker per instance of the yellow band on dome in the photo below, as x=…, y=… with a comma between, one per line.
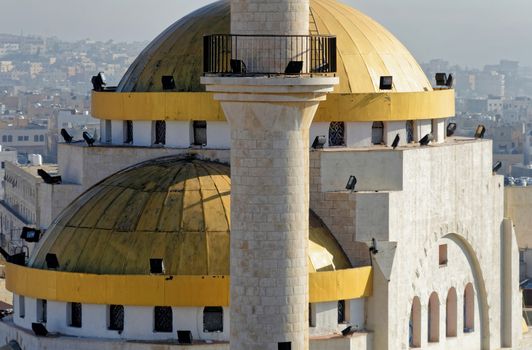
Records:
x=186, y=106
x=151, y=290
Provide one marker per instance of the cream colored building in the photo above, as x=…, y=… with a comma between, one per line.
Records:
x=205, y=210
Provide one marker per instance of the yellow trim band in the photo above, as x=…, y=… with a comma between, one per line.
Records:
x=151, y=290
x=184, y=106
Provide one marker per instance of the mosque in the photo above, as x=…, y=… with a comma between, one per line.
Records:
x=215, y=212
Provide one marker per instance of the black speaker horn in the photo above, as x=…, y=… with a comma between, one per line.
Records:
x=39, y=329
x=184, y=337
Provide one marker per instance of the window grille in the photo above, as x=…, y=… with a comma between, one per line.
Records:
x=341, y=311
x=337, y=134
x=116, y=317
x=409, y=131
x=75, y=315
x=163, y=319
x=213, y=319
x=377, y=133
x=160, y=132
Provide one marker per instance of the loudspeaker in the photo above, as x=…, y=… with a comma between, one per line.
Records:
x=184, y=337
x=39, y=329
x=168, y=82
x=156, y=266
x=294, y=67
x=319, y=142
x=441, y=79
x=386, y=83
x=51, y=261
x=238, y=66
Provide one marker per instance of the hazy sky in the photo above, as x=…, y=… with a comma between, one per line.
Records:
x=472, y=32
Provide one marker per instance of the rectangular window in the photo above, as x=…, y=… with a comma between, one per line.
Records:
x=26, y=138
x=20, y=138
x=75, y=316
x=3, y=165
x=21, y=306
x=443, y=254
x=128, y=131
x=213, y=319
x=312, y=315
x=41, y=310
x=160, y=132
x=200, y=132
x=9, y=138
x=35, y=138
x=341, y=311
x=116, y=317
x=162, y=319
x=108, y=132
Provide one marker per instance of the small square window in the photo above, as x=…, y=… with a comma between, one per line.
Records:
x=443, y=254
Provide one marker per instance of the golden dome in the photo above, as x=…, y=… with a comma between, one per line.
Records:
x=171, y=208
x=366, y=51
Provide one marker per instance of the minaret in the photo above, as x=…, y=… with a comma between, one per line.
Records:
x=270, y=117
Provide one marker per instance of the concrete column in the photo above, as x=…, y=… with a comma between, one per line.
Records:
x=265, y=54
x=280, y=17
x=270, y=120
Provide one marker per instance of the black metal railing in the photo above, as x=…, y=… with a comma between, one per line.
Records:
x=268, y=54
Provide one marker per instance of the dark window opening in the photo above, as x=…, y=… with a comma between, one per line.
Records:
x=160, y=132
x=284, y=345
x=377, y=133
x=443, y=255
x=116, y=317
x=337, y=134
x=75, y=315
x=200, y=132
x=410, y=131
x=341, y=311
x=41, y=138
x=128, y=131
x=41, y=310
x=156, y=266
x=163, y=319
x=213, y=319
x=35, y=138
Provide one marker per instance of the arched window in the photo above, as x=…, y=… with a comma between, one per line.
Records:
x=414, y=327
x=213, y=319
x=41, y=138
x=434, y=319
x=450, y=314
x=409, y=131
x=35, y=138
x=377, y=133
x=116, y=317
x=469, y=309
x=337, y=134
x=162, y=319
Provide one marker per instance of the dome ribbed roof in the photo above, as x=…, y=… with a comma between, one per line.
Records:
x=171, y=208
x=366, y=51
